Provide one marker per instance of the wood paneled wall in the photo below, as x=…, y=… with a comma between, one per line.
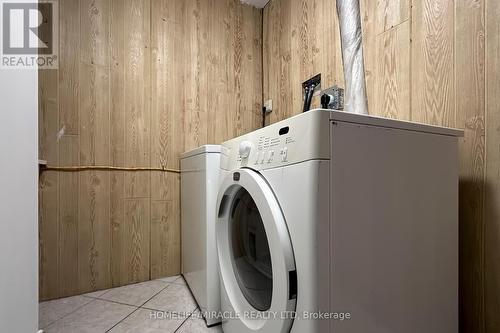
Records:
x=139, y=82
x=431, y=61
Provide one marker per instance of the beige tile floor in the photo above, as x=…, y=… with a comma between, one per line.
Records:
x=146, y=307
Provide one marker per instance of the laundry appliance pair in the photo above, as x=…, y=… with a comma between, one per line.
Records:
x=328, y=222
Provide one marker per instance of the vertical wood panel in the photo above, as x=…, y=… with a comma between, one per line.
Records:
x=272, y=34
x=369, y=25
x=230, y=116
x=69, y=46
x=94, y=35
x=470, y=108
x=94, y=186
x=117, y=140
x=391, y=97
x=137, y=97
x=251, y=68
x=196, y=83
x=49, y=185
x=167, y=94
x=285, y=87
x=94, y=199
x=238, y=39
x=166, y=133
x=165, y=240
x=299, y=49
x=329, y=48
x=217, y=69
x=49, y=236
x=332, y=58
x=433, y=60
x=68, y=146
x=48, y=116
x=136, y=243
x=492, y=198
x=68, y=217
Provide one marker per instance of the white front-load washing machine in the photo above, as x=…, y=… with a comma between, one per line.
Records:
x=336, y=222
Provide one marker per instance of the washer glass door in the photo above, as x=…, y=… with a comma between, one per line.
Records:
x=250, y=251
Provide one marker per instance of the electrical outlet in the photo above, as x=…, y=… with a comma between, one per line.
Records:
x=268, y=105
x=332, y=98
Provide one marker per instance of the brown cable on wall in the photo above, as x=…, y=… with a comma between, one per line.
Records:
x=104, y=168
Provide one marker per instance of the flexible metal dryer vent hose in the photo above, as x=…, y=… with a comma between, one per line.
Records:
x=352, y=56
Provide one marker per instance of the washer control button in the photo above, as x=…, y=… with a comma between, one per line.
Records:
x=262, y=157
x=284, y=154
x=270, y=156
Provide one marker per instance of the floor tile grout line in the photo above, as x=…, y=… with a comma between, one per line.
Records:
x=78, y=308
x=133, y=305
x=118, y=323
x=139, y=307
x=105, y=299
x=180, y=326
x=95, y=297
x=168, y=285
x=116, y=302
x=185, y=320
x=147, y=308
x=175, y=312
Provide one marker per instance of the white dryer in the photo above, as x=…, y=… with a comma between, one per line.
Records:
x=199, y=183
x=336, y=222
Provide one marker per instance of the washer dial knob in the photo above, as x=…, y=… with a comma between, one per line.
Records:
x=245, y=148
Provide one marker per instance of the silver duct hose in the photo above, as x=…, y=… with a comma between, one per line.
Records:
x=352, y=56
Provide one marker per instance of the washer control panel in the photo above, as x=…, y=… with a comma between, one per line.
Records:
x=270, y=150
x=290, y=141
